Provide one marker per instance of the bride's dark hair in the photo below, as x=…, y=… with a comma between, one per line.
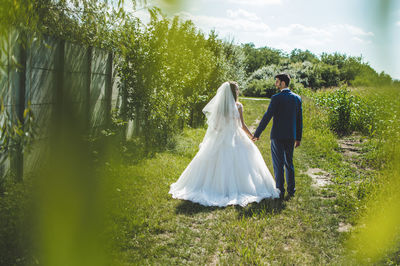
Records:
x=234, y=86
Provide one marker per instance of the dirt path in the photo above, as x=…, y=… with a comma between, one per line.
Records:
x=351, y=151
x=254, y=99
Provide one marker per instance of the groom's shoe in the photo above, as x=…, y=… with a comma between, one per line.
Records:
x=289, y=196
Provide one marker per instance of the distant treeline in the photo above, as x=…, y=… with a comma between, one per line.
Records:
x=307, y=70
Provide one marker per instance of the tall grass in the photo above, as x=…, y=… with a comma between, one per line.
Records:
x=378, y=238
x=372, y=202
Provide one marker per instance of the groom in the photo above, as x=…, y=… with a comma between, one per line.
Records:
x=285, y=108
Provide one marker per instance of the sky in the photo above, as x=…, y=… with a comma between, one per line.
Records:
x=353, y=27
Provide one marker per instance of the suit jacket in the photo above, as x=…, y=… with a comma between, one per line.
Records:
x=285, y=107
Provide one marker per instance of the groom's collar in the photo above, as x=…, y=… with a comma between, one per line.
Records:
x=285, y=89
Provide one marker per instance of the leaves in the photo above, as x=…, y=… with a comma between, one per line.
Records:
x=169, y=71
x=14, y=132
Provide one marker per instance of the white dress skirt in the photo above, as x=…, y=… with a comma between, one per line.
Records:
x=228, y=169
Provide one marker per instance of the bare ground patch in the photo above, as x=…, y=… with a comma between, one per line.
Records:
x=351, y=149
x=343, y=227
x=320, y=177
x=349, y=146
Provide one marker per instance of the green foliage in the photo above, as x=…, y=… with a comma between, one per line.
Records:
x=301, y=72
x=259, y=57
x=384, y=129
x=15, y=133
x=329, y=75
x=378, y=239
x=350, y=69
x=347, y=113
x=17, y=14
x=169, y=71
x=298, y=55
x=14, y=231
x=335, y=59
x=328, y=70
x=319, y=142
x=261, y=83
x=84, y=22
x=261, y=88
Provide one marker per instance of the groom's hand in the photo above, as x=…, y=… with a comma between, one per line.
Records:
x=255, y=139
x=297, y=143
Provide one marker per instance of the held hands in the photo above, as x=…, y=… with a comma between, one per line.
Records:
x=297, y=143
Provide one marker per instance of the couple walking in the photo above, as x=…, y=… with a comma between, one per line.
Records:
x=229, y=169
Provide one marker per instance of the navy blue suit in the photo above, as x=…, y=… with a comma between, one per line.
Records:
x=285, y=107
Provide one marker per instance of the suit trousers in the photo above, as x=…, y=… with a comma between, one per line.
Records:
x=282, y=159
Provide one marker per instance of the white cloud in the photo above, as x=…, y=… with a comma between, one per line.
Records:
x=246, y=27
x=398, y=23
x=256, y=2
x=318, y=36
x=353, y=30
x=241, y=13
x=298, y=30
x=226, y=25
x=361, y=41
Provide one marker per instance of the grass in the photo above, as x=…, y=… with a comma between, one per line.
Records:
x=146, y=226
x=152, y=228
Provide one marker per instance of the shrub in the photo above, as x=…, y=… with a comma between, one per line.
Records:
x=348, y=113
x=261, y=88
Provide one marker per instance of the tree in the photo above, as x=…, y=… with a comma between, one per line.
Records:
x=335, y=59
x=259, y=57
x=298, y=55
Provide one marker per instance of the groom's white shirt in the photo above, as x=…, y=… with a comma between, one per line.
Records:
x=285, y=89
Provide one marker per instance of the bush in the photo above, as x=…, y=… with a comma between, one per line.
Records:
x=169, y=71
x=348, y=113
x=260, y=57
x=14, y=235
x=261, y=88
x=262, y=82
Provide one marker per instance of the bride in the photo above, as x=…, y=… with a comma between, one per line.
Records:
x=228, y=169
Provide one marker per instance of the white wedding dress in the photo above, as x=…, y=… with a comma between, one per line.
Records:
x=228, y=169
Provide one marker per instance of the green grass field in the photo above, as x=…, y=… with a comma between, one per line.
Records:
x=344, y=211
x=152, y=228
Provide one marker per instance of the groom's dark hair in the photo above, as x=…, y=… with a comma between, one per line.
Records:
x=284, y=77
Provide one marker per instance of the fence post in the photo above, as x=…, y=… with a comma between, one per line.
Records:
x=108, y=92
x=58, y=122
x=89, y=77
x=17, y=158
